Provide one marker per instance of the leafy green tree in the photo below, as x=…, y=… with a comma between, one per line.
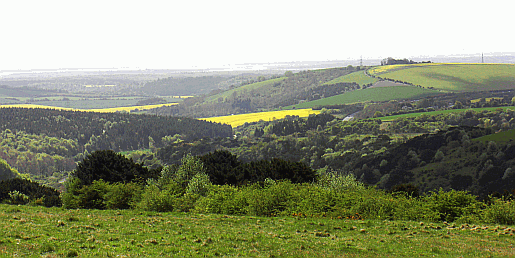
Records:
x=110, y=167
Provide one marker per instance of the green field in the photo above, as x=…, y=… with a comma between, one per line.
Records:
x=371, y=94
x=504, y=136
x=55, y=232
x=433, y=113
x=453, y=77
x=251, y=86
x=358, y=77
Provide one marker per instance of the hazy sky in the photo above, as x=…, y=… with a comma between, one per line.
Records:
x=184, y=34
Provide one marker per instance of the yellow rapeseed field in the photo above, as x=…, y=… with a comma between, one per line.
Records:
x=237, y=120
x=100, y=110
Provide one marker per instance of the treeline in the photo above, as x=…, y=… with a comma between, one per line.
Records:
x=393, y=61
x=44, y=141
x=114, y=130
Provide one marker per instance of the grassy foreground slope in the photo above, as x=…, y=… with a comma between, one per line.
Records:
x=237, y=120
x=56, y=232
x=452, y=77
x=371, y=94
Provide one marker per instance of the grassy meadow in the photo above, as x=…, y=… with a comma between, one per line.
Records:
x=358, y=77
x=370, y=94
x=57, y=232
x=504, y=136
x=452, y=77
x=237, y=120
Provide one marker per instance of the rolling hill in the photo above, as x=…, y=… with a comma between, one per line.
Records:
x=451, y=77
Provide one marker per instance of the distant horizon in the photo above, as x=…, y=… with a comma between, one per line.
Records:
x=277, y=66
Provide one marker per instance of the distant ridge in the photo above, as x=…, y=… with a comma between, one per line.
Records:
x=494, y=57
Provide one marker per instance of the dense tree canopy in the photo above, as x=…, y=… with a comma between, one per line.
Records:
x=47, y=195
x=110, y=167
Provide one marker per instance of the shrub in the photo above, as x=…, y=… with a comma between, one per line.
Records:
x=452, y=204
x=269, y=201
x=199, y=184
x=338, y=182
x=312, y=200
x=223, y=199
x=92, y=196
x=501, y=211
x=16, y=197
x=155, y=199
x=121, y=195
x=70, y=197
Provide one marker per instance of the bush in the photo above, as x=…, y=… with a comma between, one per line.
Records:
x=155, y=199
x=100, y=195
x=338, y=182
x=122, y=195
x=268, y=201
x=452, y=204
x=16, y=197
x=222, y=199
x=501, y=211
x=311, y=200
x=70, y=197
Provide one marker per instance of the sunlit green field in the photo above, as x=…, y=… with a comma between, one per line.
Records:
x=56, y=232
x=452, y=77
x=371, y=94
x=358, y=77
x=251, y=86
x=237, y=120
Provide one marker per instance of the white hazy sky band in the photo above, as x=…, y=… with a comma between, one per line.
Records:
x=206, y=34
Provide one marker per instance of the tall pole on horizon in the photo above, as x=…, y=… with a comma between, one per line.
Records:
x=482, y=59
x=361, y=60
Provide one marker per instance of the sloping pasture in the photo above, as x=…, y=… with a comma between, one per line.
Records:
x=452, y=77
